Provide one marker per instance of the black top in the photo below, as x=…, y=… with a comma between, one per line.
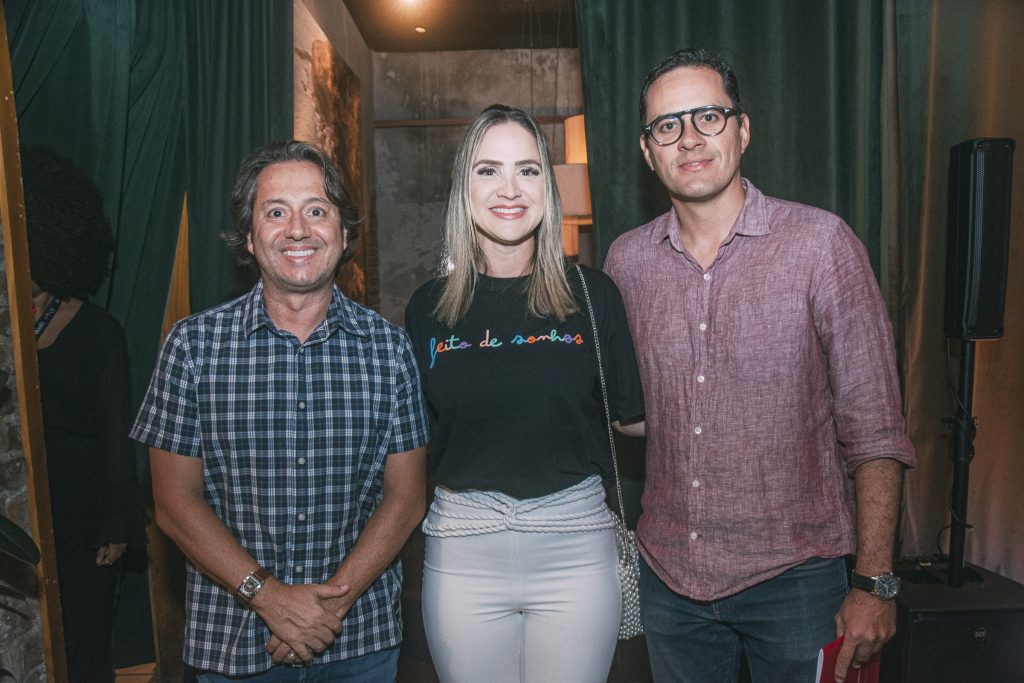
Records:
x=515, y=400
x=85, y=391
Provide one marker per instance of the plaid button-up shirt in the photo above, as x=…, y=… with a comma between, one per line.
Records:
x=294, y=438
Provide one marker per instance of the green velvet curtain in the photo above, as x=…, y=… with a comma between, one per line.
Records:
x=853, y=106
x=240, y=97
x=151, y=99
x=101, y=83
x=811, y=78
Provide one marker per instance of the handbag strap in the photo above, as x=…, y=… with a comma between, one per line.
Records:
x=604, y=391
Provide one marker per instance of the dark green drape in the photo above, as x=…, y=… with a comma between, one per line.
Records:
x=240, y=97
x=811, y=77
x=101, y=83
x=140, y=94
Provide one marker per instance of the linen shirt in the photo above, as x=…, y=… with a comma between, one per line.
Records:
x=294, y=437
x=768, y=379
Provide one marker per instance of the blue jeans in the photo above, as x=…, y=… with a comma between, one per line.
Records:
x=375, y=667
x=780, y=624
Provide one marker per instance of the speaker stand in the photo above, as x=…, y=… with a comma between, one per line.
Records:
x=963, y=452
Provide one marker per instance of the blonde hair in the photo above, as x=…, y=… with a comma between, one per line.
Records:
x=462, y=260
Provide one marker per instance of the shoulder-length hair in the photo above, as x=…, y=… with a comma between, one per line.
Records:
x=462, y=260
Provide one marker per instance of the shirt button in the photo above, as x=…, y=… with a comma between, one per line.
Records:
x=700, y=378
x=298, y=569
x=301, y=461
x=697, y=430
x=302, y=515
x=696, y=484
x=703, y=326
x=693, y=535
x=302, y=405
x=707, y=276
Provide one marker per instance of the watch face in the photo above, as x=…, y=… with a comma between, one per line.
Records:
x=250, y=586
x=887, y=586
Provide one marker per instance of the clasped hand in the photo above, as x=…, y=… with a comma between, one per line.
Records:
x=304, y=619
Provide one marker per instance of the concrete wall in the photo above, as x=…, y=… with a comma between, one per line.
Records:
x=414, y=162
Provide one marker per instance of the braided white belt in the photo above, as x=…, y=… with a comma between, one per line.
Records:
x=580, y=507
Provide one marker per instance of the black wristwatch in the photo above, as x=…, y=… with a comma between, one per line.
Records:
x=251, y=585
x=885, y=586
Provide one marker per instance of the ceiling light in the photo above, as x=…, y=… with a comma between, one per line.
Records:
x=420, y=29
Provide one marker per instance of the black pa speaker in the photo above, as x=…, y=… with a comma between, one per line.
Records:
x=956, y=635
x=978, y=237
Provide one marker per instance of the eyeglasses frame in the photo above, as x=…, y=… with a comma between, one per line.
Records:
x=725, y=111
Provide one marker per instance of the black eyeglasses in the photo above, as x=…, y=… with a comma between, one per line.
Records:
x=708, y=121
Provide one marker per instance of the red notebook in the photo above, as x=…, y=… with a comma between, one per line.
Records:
x=827, y=666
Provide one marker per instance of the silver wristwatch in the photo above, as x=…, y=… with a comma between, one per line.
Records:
x=251, y=585
x=885, y=586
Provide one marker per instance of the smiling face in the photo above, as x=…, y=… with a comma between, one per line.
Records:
x=696, y=168
x=506, y=189
x=296, y=237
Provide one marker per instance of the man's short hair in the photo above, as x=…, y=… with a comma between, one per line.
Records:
x=696, y=57
x=243, y=195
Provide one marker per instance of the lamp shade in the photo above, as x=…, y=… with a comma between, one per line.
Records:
x=573, y=188
x=575, y=140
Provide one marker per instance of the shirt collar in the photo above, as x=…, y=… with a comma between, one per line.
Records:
x=342, y=312
x=753, y=219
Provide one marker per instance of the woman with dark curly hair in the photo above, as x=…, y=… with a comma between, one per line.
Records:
x=86, y=398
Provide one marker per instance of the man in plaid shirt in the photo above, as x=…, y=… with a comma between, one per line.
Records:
x=287, y=440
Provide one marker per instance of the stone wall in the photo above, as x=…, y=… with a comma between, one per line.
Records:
x=21, y=638
x=413, y=162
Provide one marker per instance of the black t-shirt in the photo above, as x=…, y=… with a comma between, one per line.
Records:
x=85, y=389
x=515, y=400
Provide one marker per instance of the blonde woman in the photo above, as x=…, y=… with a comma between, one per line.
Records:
x=520, y=576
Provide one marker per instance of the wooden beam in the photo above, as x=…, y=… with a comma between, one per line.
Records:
x=166, y=563
x=26, y=368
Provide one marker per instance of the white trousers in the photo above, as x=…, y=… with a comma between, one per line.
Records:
x=521, y=606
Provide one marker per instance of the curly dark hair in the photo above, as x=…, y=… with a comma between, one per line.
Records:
x=244, y=193
x=69, y=240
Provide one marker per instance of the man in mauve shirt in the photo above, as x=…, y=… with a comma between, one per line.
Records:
x=776, y=442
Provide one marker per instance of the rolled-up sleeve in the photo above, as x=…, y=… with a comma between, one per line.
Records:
x=857, y=339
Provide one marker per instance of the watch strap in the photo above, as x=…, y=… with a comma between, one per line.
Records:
x=251, y=585
x=861, y=582
x=878, y=586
